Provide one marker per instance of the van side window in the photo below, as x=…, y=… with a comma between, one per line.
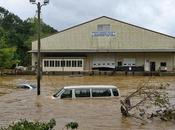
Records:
x=67, y=94
x=101, y=92
x=82, y=93
x=115, y=92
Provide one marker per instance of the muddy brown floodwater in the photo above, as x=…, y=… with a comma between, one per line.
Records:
x=91, y=114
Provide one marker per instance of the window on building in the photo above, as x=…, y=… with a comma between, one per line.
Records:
x=68, y=63
x=82, y=93
x=63, y=63
x=119, y=63
x=101, y=92
x=46, y=63
x=163, y=64
x=79, y=63
x=57, y=63
x=74, y=63
x=51, y=63
x=103, y=28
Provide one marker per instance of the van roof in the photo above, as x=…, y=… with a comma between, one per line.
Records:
x=90, y=86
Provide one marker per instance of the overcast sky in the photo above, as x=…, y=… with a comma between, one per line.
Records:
x=157, y=15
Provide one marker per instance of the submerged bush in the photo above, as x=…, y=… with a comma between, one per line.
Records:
x=72, y=125
x=27, y=125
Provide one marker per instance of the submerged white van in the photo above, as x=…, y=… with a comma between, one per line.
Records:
x=87, y=91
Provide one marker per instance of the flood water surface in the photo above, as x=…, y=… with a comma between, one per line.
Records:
x=91, y=114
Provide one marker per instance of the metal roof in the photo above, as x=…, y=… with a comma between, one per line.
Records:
x=114, y=20
x=103, y=50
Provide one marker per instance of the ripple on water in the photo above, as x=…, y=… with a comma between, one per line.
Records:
x=91, y=114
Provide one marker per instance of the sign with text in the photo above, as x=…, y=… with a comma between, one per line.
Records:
x=103, y=34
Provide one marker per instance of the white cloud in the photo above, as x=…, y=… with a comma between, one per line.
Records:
x=156, y=15
x=22, y=8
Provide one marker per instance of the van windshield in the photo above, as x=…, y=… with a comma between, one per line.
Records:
x=58, y=93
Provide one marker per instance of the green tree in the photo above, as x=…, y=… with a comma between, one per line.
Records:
x=7, y=58
x=19, y=34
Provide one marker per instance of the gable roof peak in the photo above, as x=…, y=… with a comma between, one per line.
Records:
x=113, y=19
x=134, y=26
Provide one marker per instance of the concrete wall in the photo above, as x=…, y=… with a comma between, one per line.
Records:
x=140, y=59
x=34, y=58
x=161, y=57
x=173, y=60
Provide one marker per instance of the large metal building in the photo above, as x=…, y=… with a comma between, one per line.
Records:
x=106, y=44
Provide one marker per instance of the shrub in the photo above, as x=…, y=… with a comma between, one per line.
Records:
x=72, y=125
x=27, y=125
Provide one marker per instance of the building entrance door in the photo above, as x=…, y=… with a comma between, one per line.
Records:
x=152, y=66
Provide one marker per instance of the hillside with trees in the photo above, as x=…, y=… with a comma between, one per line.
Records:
x=16, y=36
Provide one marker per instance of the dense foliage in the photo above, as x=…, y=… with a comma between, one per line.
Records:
x=72, y=125
x=16, y=36
x=27, y=125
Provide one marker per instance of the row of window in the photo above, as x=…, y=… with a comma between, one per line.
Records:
x=125, y=64
x=79, y=63
x=104, y=64
x=86, y=93
x=63, y=63
x=128, y=64
x=120, y=64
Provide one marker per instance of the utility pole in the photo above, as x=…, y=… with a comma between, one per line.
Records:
x=39, y=53
x=39, y=5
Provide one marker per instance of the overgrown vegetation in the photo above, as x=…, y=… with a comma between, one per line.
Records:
x=27, y=125
x=16, y=36
x=149, y=101
x=72, y=125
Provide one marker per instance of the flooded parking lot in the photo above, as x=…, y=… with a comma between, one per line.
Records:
x=91, y=114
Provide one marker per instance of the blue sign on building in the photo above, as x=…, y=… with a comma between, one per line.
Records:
x=103, y=34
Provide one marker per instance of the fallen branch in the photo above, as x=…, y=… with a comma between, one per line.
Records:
x=149, y=97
